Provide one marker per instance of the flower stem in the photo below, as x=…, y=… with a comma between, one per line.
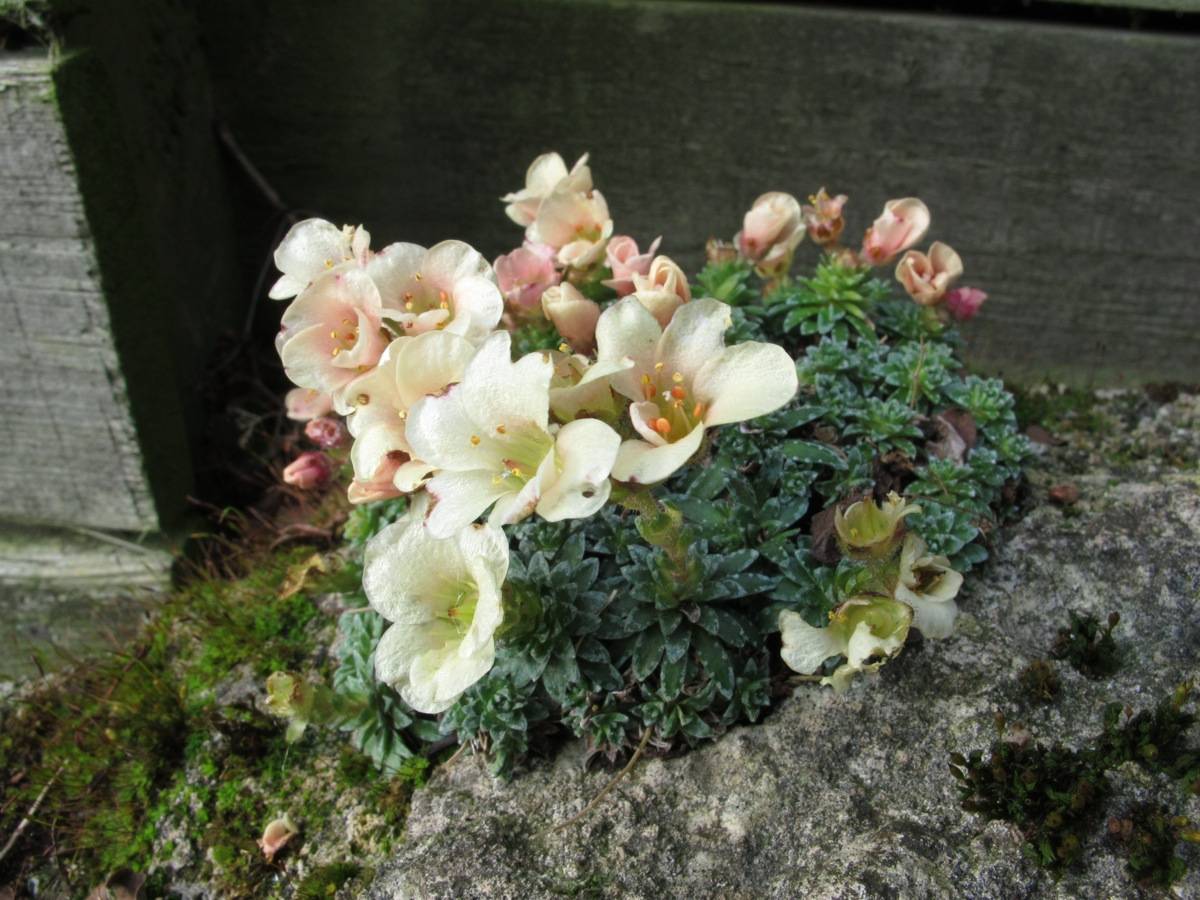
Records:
x=660, y=524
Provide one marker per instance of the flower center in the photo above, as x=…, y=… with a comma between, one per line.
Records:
x=679, y=411
x=344, y=337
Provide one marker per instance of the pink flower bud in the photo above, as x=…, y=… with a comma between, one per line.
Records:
x=573, y=314
x=770, y=232
x=824, y=217
x=964, y=302
x=327, y=432
x=927, y=278
x=276, y=835
x=663, y=289
x=901, y=225
x=623, y=259
x=303, y=404
x=308, y=470
x=524, y=274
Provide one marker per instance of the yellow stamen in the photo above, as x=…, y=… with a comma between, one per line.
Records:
x=677, y=378
x=329, y=263
x=564, y=348
x=658, y=367
x=501, y=429
x=362, y=399
x=417, y=276
x=335, y=351
x=474, y=440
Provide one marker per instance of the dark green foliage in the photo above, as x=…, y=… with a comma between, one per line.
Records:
x=1155, y=738
x=1053, y=794
x=1149, y=836
x=1050, y=793
x=835, y=301
x=324, y=882
x=1088, y=645
x=368, y=519
x=382, y=727
x=1040, y=682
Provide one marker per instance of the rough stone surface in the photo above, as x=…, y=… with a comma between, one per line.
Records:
x=850, y=797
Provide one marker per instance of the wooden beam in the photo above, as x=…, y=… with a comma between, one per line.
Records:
x=68, y=448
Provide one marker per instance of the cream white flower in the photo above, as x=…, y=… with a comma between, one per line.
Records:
x=448, y=287
x=410, y=368
x=332, y=333
x=860, y=629
x=443, y=599
x=546, y=174
x=929, y=586
x=490, y=441
x=684, y=379
x=313, y=247
x=576, y=224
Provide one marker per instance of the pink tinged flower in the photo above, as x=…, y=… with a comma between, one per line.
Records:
x=901, y=225
x=303, y=404
x=545, y=174
x=523, y=275
x=326, y=432
x=927, y=278
x=276, y=836
x=964, y=302
x=576, y=224
x=489, y=441
x=823, y=218
x=771, y=230
x=573, y=314
x=448, y=287
x=663, y=289
x=308, y=470
x=313, y=247
x=683, y=379
x=333, y=332
x=410, y=368
x=622, y=257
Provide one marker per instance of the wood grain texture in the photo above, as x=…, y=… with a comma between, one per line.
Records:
x=68, y=448
x=1060, y=162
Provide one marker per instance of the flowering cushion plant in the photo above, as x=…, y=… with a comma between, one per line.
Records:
x=598, y=497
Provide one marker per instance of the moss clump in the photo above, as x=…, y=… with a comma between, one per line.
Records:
x=1088, y=645
x=157, y=756
x=326, y=881
x=1053, y=794
x=1148, y=835
x=1040, y=682
x=1056, y=407
x=1050, y=793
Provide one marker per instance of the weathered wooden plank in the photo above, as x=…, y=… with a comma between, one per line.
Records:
x=1060, y=161
x=68, y=449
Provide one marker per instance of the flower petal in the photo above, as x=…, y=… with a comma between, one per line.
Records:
x=628, y=330
x=744, y=381
x=641, y=463
x=584, y=453
x=694, y=337
x=460, y=497
x=805, y=648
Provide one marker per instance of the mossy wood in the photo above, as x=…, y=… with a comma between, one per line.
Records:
x=1057, y=160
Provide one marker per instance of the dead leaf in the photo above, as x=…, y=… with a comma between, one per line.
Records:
x=297, y=575
x=123, y=884
x=1040, y=435
x=893, y=472
x=955, y=435
x=1064, y=494
x=824, y=539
